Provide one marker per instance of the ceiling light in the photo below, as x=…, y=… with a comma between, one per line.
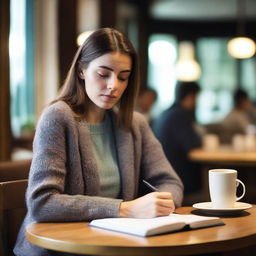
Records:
x=241, y=47
x=187, y=68
x=82, y=37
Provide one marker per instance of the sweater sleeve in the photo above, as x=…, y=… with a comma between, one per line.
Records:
x=155, y=167
x=47, y=199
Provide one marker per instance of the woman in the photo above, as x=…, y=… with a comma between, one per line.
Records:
x=91, y=152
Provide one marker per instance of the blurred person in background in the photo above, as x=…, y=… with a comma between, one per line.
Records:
x=145, y=103
x=176, y=130
x=242, y=116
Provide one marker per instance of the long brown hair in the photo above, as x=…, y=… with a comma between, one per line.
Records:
x=100, y=42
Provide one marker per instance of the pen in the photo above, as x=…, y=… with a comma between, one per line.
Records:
x=150, y=186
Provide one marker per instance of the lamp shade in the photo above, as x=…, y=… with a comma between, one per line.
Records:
x=187, y=68
x=241, y=47
x=82, y=37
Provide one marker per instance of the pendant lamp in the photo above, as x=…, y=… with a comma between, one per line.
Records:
x=241, y=47
x=187, y=68
x=82, y=37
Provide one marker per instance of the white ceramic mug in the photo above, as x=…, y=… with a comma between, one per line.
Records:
x=223, y=185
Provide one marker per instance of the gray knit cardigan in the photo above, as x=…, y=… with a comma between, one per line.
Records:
x=64, y=181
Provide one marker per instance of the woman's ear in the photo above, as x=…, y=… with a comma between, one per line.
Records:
x=81, y=73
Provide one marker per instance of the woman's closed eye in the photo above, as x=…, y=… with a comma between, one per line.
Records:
x=103, y=75
x=123, y=78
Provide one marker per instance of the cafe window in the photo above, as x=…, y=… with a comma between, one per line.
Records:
x=21, y=66
x=162, y=54
x=248, y=76
x=220, y=79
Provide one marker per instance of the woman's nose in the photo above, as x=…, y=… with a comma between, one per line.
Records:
x=112, y=83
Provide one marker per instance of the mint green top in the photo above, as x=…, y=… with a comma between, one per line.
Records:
x=103, y=139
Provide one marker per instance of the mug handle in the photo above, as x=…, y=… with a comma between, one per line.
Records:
x=240, y=182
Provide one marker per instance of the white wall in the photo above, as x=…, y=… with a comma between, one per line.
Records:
x=88, y=15
x=46, y=53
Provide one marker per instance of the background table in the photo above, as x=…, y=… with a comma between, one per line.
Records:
x=239, y=232
x=225, y=157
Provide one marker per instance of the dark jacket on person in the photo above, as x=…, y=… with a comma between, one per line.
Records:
x=175, y=130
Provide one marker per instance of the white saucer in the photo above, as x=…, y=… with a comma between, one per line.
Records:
x=208, y=208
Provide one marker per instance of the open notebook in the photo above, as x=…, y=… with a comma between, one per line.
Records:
x=158, y=225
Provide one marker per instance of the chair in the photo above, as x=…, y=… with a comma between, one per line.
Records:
x=14, y=170
x=12, y=213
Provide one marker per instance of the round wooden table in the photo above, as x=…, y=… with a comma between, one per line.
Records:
x=238, y=232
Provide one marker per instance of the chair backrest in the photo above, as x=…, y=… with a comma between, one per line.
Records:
x=12, y=212
x=14, y=170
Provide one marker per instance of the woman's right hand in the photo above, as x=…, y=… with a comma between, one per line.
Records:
x=149, y=206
